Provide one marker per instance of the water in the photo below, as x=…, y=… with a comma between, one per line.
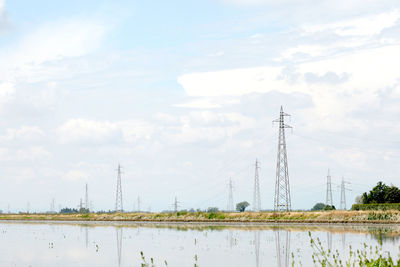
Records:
x=119, y=244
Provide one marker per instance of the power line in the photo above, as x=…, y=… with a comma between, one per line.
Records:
x=282, y=200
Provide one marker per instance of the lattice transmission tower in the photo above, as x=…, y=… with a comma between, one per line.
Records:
x=230, y=196
x=175, y=204
x=52, y=206
x=282, y=200
x=87, y=204
x=343, y=194
x=256, y=193
x=329, y=200
x=118, y=197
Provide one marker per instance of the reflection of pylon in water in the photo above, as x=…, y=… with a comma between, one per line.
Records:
x=329, y=240
x=86, y=236
x=282, y=248
x=231, y=240
x=119, y=244
x=257, y=247
x=344, y=241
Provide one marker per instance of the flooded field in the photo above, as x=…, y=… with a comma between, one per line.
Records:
x=120, y=244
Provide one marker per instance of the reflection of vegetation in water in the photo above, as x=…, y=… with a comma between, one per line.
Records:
x=368, y=256
x=152, y=263
x=384, y=234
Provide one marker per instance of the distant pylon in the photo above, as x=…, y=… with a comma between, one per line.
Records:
x=138, y=203
x=118, y=197
x=176, y=204
x=282, y=200
x=87, y=204
x=329, y=200
x=230, y=196
x=256, y=193
x=52, y=206
x=343, y=194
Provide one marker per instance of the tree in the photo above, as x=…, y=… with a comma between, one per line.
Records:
x=392, y=195
x=241, y=206
x=213, y=209
x=318, y=206
x=329, y=207
x=68, y=210
x=381, y=193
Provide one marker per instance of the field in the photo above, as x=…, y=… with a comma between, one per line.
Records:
x=392, y=216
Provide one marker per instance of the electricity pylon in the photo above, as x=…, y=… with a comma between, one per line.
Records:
x=230, y=196
x=329, y=200
x=52, y=206
x=343, y=194
x=256, y=193
x=282, y=200
x=87, y=204
x=175, y=204
x=118, y=197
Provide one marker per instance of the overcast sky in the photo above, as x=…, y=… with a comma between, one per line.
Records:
x=183, y=94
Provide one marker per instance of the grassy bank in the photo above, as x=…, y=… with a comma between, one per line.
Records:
x=284, y=217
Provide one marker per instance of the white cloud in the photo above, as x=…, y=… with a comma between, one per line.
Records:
x=133, y=131
x=25, y=133
x=29, y=153
x=200, y=103
x=396, y=91
x=231, y=82
x=68, y=38
x=3, y=18
x=350, y=158
x=24, y=60
x=363, y=26
x=7, y=90
x=208, y=103
x=81, y=130
x=208, y=126
x=359, y=82
x=75, y=175
x=32, y=153
x=89, y=131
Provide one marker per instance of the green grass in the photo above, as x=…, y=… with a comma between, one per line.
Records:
x=367, y=257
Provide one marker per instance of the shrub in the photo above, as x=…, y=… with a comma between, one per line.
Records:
x=381, y=206
x=182, y=212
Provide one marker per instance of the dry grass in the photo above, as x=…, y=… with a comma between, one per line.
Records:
x=287, y=217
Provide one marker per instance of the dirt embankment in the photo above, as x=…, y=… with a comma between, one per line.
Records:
x=260, y=217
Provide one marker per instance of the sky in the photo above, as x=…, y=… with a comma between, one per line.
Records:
x=183, y=94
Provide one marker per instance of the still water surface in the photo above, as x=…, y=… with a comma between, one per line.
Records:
x=119, y=244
